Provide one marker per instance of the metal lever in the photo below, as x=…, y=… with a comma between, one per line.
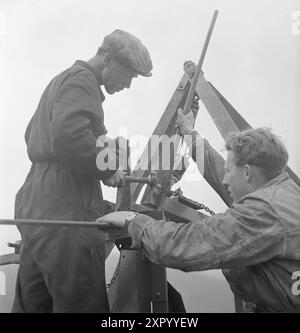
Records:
x=16, y=246
x=152, y=181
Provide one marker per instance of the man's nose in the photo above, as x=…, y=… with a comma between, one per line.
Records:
x=224, y=181
x=128, y=84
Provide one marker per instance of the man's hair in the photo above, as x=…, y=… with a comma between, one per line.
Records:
x=261, y=148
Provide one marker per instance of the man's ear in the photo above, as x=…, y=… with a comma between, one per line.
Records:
x=107, y=59
x=247, y=171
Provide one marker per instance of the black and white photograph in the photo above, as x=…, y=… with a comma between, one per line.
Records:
x=150, y=158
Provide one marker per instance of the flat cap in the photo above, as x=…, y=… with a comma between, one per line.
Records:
x=129, y=50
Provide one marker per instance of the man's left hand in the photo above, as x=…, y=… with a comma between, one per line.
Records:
x=115, y=219
x=116, y=180
x=185, y=123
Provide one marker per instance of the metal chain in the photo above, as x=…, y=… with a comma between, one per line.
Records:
x=209, y=211
x=114, y=277
x=178, y=194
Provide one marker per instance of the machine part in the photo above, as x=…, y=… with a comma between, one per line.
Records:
x=10, y=258
x=16, y=246
x=178, y=195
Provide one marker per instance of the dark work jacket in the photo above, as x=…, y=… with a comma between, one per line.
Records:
x=64, y=182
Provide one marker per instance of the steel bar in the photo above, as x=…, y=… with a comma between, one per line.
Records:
x=130, y=179
x=10, y=258
x=191, y=94
x=104, y=226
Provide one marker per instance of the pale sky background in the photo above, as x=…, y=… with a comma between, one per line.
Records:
x=252, y=59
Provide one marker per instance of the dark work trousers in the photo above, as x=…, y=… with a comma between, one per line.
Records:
x=62, y=272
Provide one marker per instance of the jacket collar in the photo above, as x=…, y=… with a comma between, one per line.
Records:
x=89, y=68
x=278, y=179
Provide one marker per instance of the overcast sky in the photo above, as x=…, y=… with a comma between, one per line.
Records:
x=253, y=59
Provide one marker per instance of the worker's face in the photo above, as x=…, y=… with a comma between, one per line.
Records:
x=236, y=178
x=116, y=76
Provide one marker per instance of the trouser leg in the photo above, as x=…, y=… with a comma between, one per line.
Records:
x=73, y=266
x=62, y=272
x=31, y=293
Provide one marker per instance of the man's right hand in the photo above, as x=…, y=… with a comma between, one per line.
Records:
x=116, y=180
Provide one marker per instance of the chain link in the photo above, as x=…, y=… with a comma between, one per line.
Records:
x=178, y=195
x=114, y=277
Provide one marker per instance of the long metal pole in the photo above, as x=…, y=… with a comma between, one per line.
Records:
x=191, y=94
x=104, y=226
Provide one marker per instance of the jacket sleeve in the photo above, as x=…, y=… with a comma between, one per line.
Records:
x=209, y=163
x=75, y=118
x=247, y=234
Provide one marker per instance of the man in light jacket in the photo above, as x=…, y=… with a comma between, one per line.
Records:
x=255, y=241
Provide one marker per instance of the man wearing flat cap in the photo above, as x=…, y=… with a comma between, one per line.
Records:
x=63, y=269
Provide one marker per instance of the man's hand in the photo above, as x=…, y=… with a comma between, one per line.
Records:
x=185, y=123
x=115, y=219
x=116, y=180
